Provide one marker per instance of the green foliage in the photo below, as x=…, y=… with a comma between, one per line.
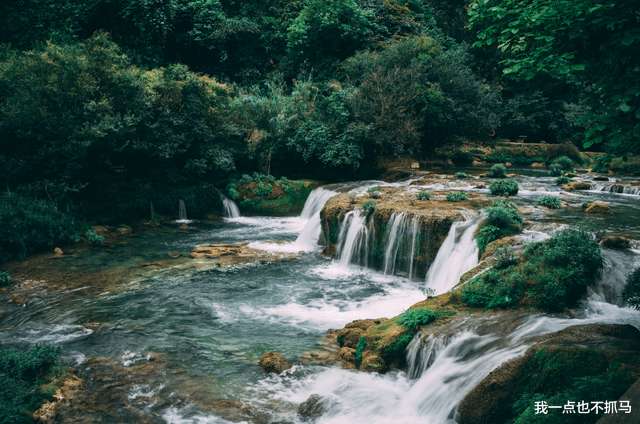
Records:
x=504, y=188
x=563, y=41
x=263, y=189
x=502, y=216
x=565, y=163
x=5, y=279
x=456, y=197
x=626, y=165
x=500, y=220
x=369, y=206
x=550, y=202
x=631, y=291
x=518, y=155
x=555, y=170
x=551, y=275
x=461, y=156
x=489, y=233
x=562, y=180
x=413, y=319
x=362, y=344
x=28, y=226
x=372, y=190
x=461, y=175
x=505, y=257
x=21, y=378
x=423, y=195
x=602, y=163
x=233, y=193
x=94, y=238
x=498, y=171
x=399, y=347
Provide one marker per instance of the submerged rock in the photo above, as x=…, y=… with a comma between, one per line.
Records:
x=597, y=207
x=312, y=408
x=616, y=242
x=273, y=362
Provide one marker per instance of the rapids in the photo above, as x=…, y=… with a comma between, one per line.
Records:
x=202, y=332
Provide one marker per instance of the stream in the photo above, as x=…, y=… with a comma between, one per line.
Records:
x=205, y=330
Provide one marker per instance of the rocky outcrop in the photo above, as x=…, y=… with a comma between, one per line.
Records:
x=273, y=362
x=577, y=185
x=616, y=242
x=312, y=408
x=596, y=207
x=551, y=366
x=66, y=387
x=237, y=254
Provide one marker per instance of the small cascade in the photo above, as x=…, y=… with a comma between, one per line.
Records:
x=631, y=190
x=153, y=211
x=402, y=241
x=422, y=352
x=308, y=237
x=457, y=255
x=182, y=211
x=353, y=240
x=230, y=208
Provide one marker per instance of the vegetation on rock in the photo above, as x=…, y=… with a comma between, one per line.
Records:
x=498, y=171
x=550, y=202
x=501, y=219
x=504, y=188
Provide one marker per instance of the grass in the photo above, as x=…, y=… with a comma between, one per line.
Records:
x=550, y=202
x=413, y=319
x=369, y=206
x=456, y=197
x=504, y=188
x=423, y=195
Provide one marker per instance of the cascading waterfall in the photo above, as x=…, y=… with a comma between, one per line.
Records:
x=230, y=208
x=457, y=255
x=308, y=237
x=402, y=238
x=353, y=240
x=631, y=190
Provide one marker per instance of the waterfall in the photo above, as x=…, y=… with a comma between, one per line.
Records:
x=353, y=240
x=402, y=237
x=457, y=255
x=182, y=211
x=153, y=211
x=631, y=190
x=308, y=237
x=230, y=208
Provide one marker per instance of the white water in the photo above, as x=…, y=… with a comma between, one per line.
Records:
x=353, y=240
x=403, y=235
x=182, y=213
x=457, y=255
x=230, y=208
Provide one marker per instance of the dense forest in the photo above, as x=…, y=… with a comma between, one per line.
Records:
x=105, y=104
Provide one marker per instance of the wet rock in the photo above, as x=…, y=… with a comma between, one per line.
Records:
x=185, y=227
x=372, y=362
x=348, y=337
x=99, y=229
x=312, y=408
x=600, y=178
x=393, y=175
x=67, y=388
x=577, y=185
x=347, y=358
x=58, y=251
x=273, y=362
x=597, y=207
x=616, y=242
x=122, y=231
x=174, y=254
x=156, y=264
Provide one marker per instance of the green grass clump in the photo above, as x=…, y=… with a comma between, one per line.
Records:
x=93, y=237
x=631, y=291
x=461, y=175
x=499, y=221
x=423, y=195
x=263, y=189
x=413, y=319
x=28, y=226
x=498, y=171
x=504, y=188
x=562, y=180
x=555, y=170
x=372, y=190
x=550, y=202
x=369, y=206
x=22, y=374
x=566, y=164
x=5, y=279
x=456, y=197
x=550, y=275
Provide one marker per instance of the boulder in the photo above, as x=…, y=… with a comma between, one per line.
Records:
x=174, y=254
x=348, y=337
x=538, y=165
x=273, y=362
x=99, y=229
x=577, y=185
x=123, y=231
x=312, y=408
x=347, y=358
x=600, y=178
x=597, y=207
x=58, y=251
x=616, y=242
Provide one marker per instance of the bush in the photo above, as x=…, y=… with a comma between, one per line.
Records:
x=263, y=189
x=498, y=171
x=505, y=257
x=504, y=188
x=5, y=279
x=413, y=319
x=500, y=220
x=555, y=170
x=21, y=379
x=487, y=234
x=626, y=165
x=233, y=193
x=565, y=163
x=502, y=217
x=550, y=202
x=631, y=291
x=461, y=175
x=94, y=238
x=562, y=180
x=551, y=275
x=369, y=206
x=423, y=195
x=456, y=197
x=28, y=226
x=372, y=190
x=460, y=156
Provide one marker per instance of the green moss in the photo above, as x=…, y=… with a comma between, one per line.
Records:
x=413, y=319
x=362, y=344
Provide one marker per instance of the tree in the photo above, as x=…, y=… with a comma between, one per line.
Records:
x=594, y=41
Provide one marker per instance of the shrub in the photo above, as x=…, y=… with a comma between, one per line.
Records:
x=413, y=319
x=502, y=217
x=500, y=220
x=372, y=190
x=565, y=163
x=555, y=170
x=423, y=195
x=562, y=180
x=504, y=188
x=456, y=197
x=263, y=189
x=551, y=275
x=5, y=279
x=21, y=379
x=487, y=234
x=626, y=165
x=28, y=226
x=93, y=237
x=631, y=291
x=461, y=175
x=233, y=193
x=284, y=180
x=460, y=156
x=505, y=257
x=369, y=206
x=550, y=202
x=498, y=171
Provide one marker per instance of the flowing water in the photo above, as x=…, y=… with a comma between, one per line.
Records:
x=204, y=330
